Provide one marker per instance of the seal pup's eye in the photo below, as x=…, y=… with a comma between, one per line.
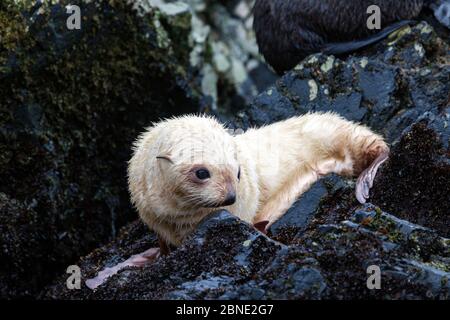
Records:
x=239, y=174
x=202, y=174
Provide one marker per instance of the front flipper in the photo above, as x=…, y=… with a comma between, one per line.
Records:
x=365, y=179
x=137, y=260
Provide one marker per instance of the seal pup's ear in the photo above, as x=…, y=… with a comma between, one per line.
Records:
x=165, y=158
x=164, y=161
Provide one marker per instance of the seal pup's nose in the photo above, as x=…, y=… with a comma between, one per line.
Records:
x=231, y=198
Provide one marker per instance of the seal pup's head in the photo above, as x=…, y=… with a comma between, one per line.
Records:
x=197, y=160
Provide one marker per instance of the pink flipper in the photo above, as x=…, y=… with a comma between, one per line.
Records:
x=261, y=226
x=137, y=260
x=366, y=178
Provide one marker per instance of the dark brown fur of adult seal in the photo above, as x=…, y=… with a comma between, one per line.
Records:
x=289, y=30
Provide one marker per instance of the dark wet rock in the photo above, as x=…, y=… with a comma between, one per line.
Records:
x=377, y=219
x=426, y=253
x=199, y=288
x=399, y=241
x=228, y=259
x=415, y=182
x=20, y=231
x=432, y=277
x=304, y=209
x=285, y=278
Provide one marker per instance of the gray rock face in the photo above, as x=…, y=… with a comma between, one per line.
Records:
x=304, y=209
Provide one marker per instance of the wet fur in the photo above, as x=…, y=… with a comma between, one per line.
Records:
x=277, y=164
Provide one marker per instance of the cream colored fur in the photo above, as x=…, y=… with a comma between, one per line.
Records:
x=278, y=163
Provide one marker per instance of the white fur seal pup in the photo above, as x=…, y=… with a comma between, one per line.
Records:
x=185, y=168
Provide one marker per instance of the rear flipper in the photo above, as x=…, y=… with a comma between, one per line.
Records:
x=365, y=179
x=340, y=48
x=441, y=10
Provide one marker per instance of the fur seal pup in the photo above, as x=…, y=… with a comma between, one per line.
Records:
x=289, y=30
x=185, y=168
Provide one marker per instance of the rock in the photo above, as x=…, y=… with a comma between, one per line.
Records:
x=435, y=279
x=199, y=288
x=21, y=232
x=228, y=259
x=293, y=281
x=222, y=252
x=305, y=208
x=415, y=182
x=132, y=239
x=224, y=48
x=426, y=253
x=381, y=220
x=295, y=271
